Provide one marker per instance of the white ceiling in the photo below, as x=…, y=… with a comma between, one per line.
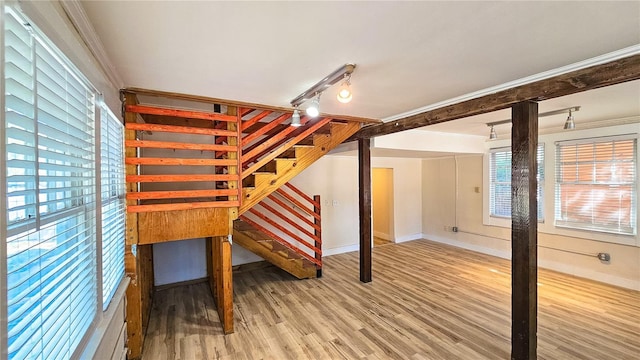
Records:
x=408, y=54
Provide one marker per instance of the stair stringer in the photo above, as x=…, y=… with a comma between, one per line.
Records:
x=287, y=169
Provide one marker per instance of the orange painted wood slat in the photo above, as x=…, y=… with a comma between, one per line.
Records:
x=280, y=240
x=271, y=222
x=262, y=147
x=179, y=129
x=302, y=194
x=289, y=221
x=189, y=114
x=247, y=123
x=178, y=194
x=182, y=206
x=303, y=121
x=254, y=135
x=296, y=202
x=177, y=161
x=177, y=145
x=244, y=111
x=273, y=154
x=292, y=210
x=179, y=178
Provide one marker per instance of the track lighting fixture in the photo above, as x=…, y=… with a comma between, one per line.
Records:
x=569, y=124
x=492, y=134
x=295, y=118
x=344, y=93
x=313, y=109
x=313, y=93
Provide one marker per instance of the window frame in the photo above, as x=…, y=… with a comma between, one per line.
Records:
x=633, y=186
x=541, y=154
x=613, y=127
x=85, y=343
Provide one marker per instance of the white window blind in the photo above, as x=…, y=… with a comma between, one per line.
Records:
x=500, y=182
x=112, y=191
x=51, y=198
x=596, y=184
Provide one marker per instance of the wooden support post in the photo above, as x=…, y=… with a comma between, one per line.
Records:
x=135, y=333
x=318, y=233
x=223, y=289
x=364, y=166
x=524, y=226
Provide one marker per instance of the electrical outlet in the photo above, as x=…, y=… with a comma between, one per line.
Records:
x=454, y=229
x=335, y=202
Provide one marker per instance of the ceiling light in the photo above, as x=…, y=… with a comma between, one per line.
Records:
x=344, y=93
x=492, y=134
x=569, y=124
x=343, y=72
x=314, y=108
x=295, y=118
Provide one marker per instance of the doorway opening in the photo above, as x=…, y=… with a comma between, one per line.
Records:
x=382, y=199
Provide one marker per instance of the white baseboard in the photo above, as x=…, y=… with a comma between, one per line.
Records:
x=589, y=274
x=472, y=247
x=340, y=250
x=546, y=264
x=408, y=238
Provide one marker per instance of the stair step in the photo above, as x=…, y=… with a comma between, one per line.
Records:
x=272, y=251
x=249, y=181
x=326, y=129
x=269, y=167
x=306, y=142
x=288, y=154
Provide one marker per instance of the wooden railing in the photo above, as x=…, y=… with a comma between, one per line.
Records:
x=244, y=140
x=219, y=188
x=267, y=134
x=286, y=209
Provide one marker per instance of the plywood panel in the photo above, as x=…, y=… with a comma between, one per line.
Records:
x=162, y=226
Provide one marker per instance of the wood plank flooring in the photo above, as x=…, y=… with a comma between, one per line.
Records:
x=377, y=241
x=426, y=301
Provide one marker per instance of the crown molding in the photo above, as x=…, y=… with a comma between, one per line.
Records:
x=86, y=31
x=598, y=60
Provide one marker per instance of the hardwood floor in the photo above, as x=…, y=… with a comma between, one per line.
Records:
x=426, y=301
x=377, y=241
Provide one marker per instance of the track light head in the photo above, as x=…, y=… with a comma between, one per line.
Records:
x=314, y=107
x=492, y=134
x=569, y=124
x=295, y=118
x=344, y=92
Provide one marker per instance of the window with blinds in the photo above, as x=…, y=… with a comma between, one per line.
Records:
x=596, y=184
x=112, y=192
x=500, y=182
x=51, y=198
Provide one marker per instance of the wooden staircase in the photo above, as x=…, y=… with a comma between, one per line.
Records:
x=272, y=251
x=290, y=159
x=285, y=229
x=217, y=172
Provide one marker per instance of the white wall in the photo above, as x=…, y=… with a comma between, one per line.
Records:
x=556, y=248
x=177, y=261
